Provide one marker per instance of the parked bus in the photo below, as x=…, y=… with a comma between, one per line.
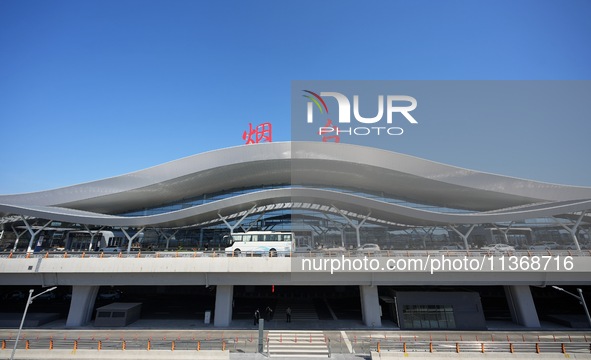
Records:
x=260, y=242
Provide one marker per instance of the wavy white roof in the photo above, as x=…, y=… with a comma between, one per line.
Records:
x=315, y=165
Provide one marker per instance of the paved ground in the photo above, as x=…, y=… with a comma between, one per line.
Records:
x=342, y=339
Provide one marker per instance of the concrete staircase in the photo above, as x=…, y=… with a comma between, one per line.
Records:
x=297, y=344
x=300, y=311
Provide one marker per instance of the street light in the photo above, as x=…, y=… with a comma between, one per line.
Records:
x=29, y=302
x=580, y=298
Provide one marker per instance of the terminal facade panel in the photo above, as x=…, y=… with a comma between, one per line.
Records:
x=337, y=201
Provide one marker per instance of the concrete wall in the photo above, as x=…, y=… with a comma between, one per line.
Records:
x=250, y=271
x=118, y=314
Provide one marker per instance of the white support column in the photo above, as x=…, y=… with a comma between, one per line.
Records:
x=166, y=236
x=464, y=237
x=357, y=226
x=92, y=235
x=130, y=239
x=318, y=234
x=426, y=233
x=573, y=231
x=224, y=296
x=521, y=305
x=232, y=227
x=18, y=237
x=337, y=224
x=370, y=305
x=83, y=298
x=504, y=231
x=33, y=233
x=256, y=221
x=409, y=234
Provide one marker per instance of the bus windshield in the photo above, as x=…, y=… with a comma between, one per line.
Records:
x=227, y=240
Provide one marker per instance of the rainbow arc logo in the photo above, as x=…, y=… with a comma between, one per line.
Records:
x=316, y=99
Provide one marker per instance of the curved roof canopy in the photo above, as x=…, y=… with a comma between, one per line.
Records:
x=312, y=169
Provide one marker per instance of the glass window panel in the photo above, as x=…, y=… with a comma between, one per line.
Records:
x=428, y=316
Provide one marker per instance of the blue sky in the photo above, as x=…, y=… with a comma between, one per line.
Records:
x=93, y=89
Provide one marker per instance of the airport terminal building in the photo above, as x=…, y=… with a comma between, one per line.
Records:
x=169, y=227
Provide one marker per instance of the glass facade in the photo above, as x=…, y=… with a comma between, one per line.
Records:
x=428, y=317
x=208, y=198
x=323, y=226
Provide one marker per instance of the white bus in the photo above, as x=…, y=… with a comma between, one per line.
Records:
x=260, y=242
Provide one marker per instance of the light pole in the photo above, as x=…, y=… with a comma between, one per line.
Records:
x=29, y=302
x=580, y=298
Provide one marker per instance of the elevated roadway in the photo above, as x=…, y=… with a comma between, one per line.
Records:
x=86, y=272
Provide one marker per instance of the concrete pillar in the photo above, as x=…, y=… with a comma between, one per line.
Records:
x=224, y=297
x=81, y=305
x=521, y=305
x=370, y=306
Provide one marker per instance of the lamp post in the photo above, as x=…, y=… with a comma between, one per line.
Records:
x=29, y=302
x=578, y=297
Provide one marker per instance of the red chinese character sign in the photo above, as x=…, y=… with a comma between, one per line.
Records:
x=260, y=133
x=332, y=128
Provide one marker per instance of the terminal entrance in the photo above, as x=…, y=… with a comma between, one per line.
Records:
x=162, y=302
x=423, y=307
x=307, y=303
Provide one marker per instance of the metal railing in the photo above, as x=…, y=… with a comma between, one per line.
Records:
x=482, y=347
x=364, y=346
x=99, y=345
x=315, y=253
